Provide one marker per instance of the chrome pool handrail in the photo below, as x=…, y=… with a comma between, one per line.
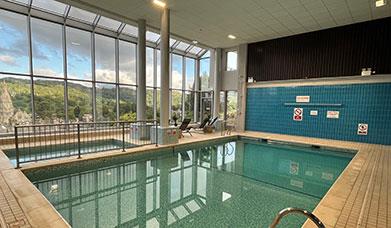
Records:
x=289, y=210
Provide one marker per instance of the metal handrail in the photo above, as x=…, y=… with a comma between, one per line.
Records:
x=289, y=210
x=85, y=123
x=47, y=136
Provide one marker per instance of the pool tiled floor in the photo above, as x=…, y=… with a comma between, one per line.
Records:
x=359, y=198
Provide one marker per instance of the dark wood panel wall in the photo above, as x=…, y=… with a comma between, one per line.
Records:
x=341, y=51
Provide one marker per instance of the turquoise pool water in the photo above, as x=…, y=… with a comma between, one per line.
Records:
x=44, y=152
x=241, y=183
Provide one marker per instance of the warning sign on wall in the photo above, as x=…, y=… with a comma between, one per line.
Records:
x=332, y=114
x=298, y=114
x=362, y=129
x=294, y=168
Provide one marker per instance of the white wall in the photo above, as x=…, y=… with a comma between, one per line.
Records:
x=236, y=80
x=229, y=78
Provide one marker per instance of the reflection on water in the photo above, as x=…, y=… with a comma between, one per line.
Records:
x=229, y=184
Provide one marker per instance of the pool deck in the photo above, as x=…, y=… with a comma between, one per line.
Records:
x=359, y=197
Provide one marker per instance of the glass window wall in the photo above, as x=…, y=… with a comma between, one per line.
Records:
x=47, y=48
x=82, y=76
x=104, y=58
x=14, y=44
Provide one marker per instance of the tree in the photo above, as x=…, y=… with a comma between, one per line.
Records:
x=76, y=112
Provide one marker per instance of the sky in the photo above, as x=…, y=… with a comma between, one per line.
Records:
x=13, y=43
x=48, y=53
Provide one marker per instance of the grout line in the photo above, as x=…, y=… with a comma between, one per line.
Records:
x=359, y=179
x=360, y=217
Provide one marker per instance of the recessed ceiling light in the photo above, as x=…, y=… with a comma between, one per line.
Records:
x=232, y=37
x=159, y=3
x=195, y=42
x=380, y=3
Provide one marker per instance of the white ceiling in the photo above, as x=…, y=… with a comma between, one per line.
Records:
x=210, y=21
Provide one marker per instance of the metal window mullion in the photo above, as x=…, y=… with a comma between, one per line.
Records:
x=197, y=89
x=155, y=106
x=194, y=173
x=169, y=86
x=169, y=103
x=182, y=103
x=182, y=180
x=183, y=86
x=95, y=22
x=65, y=67
x=121, y=28
x=225, y=104
x=117, y=76
x=188, y=49
x=29, y=34
x=154, y=100
x=93, y=76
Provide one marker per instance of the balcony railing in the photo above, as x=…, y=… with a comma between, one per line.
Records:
x=51, y=141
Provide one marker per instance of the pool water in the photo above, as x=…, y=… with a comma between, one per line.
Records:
x=44, y=152
x=240, y=183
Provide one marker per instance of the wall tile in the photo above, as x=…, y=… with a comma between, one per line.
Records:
x=361, y=103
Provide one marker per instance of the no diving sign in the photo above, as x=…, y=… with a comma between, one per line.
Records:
x=362, y=129
x=298, y=114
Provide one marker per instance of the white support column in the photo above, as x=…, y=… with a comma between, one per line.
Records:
x=141, y=71
x=165, y=133
x=164, y=67
x=216, y=81
x=242, y=87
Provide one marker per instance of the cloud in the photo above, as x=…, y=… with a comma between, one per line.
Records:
x=9, y=60
x=105, y=75
x=176, y=82
x=127, y=70
x=46, y=72
x=127, y=77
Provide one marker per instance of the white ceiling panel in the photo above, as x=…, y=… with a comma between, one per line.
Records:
x=210, y=21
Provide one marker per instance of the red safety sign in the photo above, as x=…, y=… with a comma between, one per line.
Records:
x=362, y=129
x=298, y=114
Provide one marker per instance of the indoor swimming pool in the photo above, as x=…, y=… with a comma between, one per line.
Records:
x=228, y=183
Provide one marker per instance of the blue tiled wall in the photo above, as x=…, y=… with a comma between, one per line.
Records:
x=361, y=103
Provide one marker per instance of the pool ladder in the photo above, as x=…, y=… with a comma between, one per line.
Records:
x=289, y=210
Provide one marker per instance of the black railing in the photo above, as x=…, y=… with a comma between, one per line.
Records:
x=50, y=141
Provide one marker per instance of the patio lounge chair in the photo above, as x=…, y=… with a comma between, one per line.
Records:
x=201, y=126
x=213, y=121
x=184, y=127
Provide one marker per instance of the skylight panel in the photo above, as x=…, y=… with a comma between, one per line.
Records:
x=81, y=15
x=50, y=6
x=152, y=37
x=109, y=23
x=195, y=50
x=182, y=46
x=172, y=41
x=22, y=2
x=130, y=30
x=206, y=55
